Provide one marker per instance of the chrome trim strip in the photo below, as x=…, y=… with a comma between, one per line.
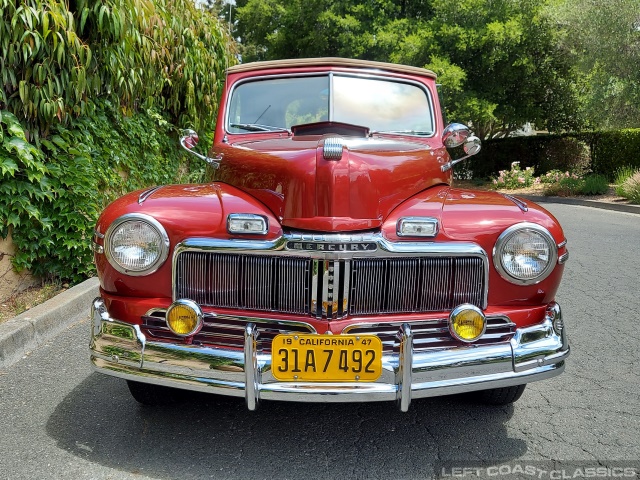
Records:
x=562, y=259
x=98, y=234
x=259, y=320
x=522, y=205
x=405, y=364
x=252, y=380
x=333, y=298
x=316, y=309
x=385, y=247
x=147, y=193
x=346, y=288
x=421, y=324
x=562, y=244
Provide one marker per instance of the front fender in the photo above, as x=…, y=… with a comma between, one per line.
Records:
x=480, y=217
x=185, y=211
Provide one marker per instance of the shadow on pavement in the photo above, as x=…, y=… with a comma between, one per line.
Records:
x=216, y=437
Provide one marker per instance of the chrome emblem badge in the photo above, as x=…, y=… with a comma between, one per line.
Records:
x=333, y=247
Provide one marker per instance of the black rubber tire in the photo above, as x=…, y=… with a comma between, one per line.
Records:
x=500, y=396
x=153, y=395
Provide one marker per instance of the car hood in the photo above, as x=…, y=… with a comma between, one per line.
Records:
x=307, y=191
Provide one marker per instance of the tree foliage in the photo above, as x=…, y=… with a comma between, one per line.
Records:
x=57, y=56
x=498, y=60
x=603, y=41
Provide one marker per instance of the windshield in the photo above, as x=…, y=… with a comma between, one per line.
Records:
x=382, y=105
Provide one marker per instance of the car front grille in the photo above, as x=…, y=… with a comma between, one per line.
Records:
x=329, y=288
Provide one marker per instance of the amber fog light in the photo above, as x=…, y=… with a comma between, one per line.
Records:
x=467, y=323
x=184, y=318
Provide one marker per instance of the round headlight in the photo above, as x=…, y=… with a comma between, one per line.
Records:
x=525, y=254
x=467, y=323
x=136, y=244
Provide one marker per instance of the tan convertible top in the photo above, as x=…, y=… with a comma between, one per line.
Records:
x=330, y=62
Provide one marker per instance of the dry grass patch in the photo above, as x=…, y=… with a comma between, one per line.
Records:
x=28, y=299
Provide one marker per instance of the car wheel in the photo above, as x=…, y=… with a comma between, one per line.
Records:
x=153, y=395
x=500, y=396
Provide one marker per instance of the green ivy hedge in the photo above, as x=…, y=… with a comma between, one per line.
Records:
x=91, y=94
x=51, y=195
x=599, y=152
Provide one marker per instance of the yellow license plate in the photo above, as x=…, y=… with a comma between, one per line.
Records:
x=326, y=358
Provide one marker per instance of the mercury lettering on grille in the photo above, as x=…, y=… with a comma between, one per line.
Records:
x=329, y=288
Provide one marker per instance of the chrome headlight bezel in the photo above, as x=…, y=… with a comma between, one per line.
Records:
x=151, y=222
x=507, y=235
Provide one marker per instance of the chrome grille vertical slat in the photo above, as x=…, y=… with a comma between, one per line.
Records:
x=415, y=285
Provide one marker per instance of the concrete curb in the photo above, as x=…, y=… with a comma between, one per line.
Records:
x=37, y=325
x=585, y=203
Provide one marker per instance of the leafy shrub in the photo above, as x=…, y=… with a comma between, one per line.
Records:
x=612, y=150
x=555, y=176
x=594, y=185
x=51, y=196
x=621, y=176
x=543, y=153
x=566, y=187
x=599, y=152
x=631, y=188
x=515, y=177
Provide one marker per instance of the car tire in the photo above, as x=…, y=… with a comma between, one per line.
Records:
x=500, y=396
x=153, y=395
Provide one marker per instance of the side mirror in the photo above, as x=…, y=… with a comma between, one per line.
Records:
x=455, y=135
x=189, y=139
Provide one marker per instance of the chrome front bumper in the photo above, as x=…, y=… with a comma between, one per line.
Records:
x=120, y=349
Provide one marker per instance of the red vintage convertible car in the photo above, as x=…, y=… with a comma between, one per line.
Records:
x=330, y=260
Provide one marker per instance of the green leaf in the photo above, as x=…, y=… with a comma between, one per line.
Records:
x=83, y=18
x=59, y=141
x=20, y=147
x=7, y=165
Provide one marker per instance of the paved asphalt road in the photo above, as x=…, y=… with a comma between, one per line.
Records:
x=60, y=420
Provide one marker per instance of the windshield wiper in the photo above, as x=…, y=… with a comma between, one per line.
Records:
x=256, y=127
